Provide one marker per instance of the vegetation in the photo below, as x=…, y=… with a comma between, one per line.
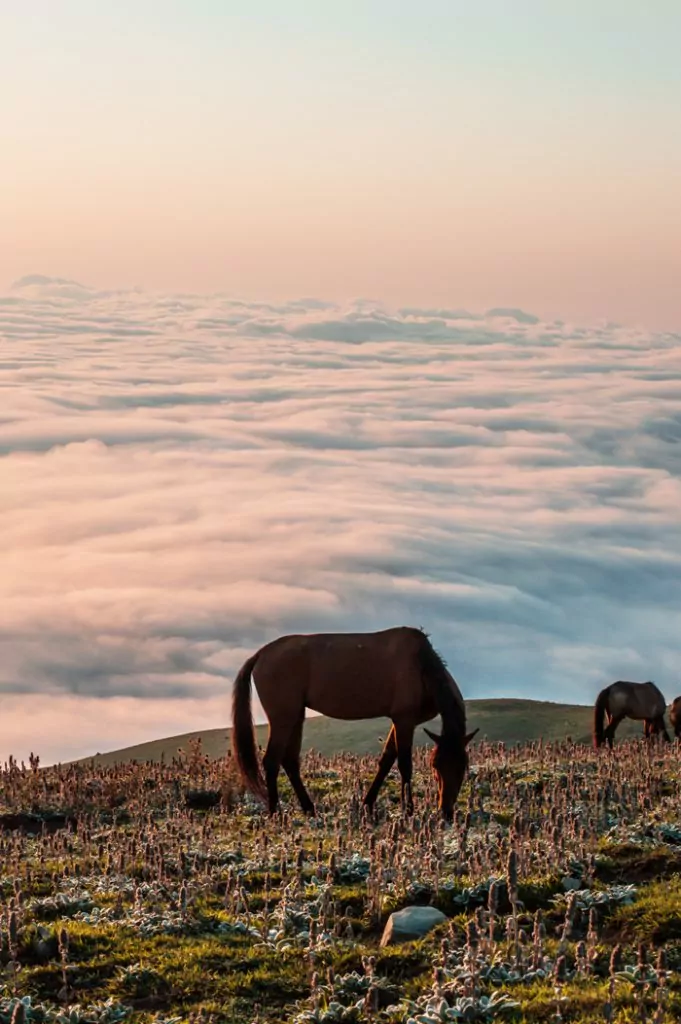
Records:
x=160, y=892
x=507, y=719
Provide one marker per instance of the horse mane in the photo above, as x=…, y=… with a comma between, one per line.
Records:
x=436, y=675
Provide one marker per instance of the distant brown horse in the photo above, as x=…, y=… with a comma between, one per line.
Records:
x=675, y=716
x=393, y=673
x=620, y=700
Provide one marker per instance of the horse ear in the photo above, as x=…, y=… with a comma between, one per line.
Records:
x=470, y=736
x=434, y=737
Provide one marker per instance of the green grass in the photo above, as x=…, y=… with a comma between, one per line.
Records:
x=507, y=720
x=654, y=918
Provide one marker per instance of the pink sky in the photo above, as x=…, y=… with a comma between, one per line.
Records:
x=431, y=155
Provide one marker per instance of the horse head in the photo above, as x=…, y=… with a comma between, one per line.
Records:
x=449, y=760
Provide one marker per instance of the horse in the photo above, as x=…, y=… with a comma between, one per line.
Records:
x=394, y=673
x=629, y=700
x=675, y=716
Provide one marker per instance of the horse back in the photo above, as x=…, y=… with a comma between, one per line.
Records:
x=636, y=700
x=344, y=675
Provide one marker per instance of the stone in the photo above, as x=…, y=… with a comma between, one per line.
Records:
x=571, y=884
x=45, y=945
x=411, y=923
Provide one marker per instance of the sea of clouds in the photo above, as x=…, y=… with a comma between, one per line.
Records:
x=185, y=477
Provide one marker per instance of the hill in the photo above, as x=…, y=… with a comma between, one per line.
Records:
x=510, y=720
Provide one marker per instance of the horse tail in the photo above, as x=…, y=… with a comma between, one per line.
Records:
x=434, y=672
x=599, y=717
x=243, y=732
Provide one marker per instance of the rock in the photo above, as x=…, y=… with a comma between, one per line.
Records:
x=45, y=946
x=411, y=923
x=571, y=884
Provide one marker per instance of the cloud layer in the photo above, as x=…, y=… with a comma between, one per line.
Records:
x=185, y=477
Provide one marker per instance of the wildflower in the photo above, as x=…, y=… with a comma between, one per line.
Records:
x=512, y=871
x=615, y=960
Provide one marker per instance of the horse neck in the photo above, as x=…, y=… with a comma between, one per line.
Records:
x=454, y=713
x=453, y=737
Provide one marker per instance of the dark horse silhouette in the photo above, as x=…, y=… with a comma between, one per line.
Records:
x=675, y=715
x=629, y=700
x=394, y=673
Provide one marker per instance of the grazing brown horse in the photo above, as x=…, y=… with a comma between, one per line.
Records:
x=393, y=673
x=629, y=700
x=675, y=716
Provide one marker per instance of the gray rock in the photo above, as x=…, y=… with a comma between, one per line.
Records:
x=45, y=944
x=571, y=884
x=411, y=923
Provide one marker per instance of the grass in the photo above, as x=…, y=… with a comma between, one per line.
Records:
x=150, y=911
x=655, y=918
x=507, y=720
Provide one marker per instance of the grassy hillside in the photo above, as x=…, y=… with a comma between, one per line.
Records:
x=513, y=721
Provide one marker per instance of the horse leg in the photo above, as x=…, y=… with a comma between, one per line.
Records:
x=387, y=760
x=661, y=728
x=291, y=765
x=608, y=718
x=271, y=763
x=277, y=746
x=609, y=733
x=647, y=728
x=404, y=734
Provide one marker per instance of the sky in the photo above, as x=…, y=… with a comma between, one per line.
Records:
x=333, y=317
x=430, y=153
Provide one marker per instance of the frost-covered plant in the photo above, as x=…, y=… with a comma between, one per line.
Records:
x=334, y=1013
x=107, y=1012
x=670, y=833
x=60, y=905
x=353, y=869
x=585, y=899
x=431, y=1010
